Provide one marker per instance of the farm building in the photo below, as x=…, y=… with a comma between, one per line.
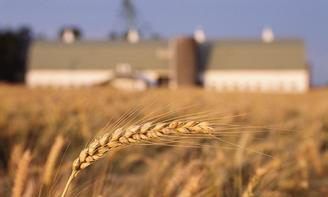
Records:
x=87, y=63
x=253, y=65
x=223, y=65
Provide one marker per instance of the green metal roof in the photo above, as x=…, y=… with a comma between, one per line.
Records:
x=256, y=54
x=96, y=55
x=222, y=54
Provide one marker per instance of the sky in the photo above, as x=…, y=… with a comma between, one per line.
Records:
x=305, y=19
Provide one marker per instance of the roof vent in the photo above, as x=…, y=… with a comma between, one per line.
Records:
x=70, y=34
x=199, y=35
x=133, y=35
x=267, y=35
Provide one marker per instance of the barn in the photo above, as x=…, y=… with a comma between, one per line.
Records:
x=254, y=65
x=87, y=63
x=248, y=65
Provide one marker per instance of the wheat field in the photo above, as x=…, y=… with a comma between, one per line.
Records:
x=259, y=144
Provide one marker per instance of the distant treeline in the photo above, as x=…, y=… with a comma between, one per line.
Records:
x=14, y=47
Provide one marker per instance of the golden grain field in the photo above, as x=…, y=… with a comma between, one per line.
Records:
x=264, y=145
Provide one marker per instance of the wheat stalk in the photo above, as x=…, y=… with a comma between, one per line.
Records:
x=191, y=187
x=132, y=135
x=178, y=176
x=314, y=157
x=260, y=172
x=21, y=174
x=51, y=160
x=15, y=158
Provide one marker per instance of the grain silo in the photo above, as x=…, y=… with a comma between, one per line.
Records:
x=183, y=62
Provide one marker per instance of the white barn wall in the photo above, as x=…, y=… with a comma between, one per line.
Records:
x=296, y=81
x=67, y=77
x=222, y=80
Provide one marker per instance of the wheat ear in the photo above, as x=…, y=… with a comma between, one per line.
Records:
x=132, y=135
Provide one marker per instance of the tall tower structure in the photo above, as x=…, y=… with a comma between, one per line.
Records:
x=129, y=15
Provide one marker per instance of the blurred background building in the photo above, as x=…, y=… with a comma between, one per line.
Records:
x=130, y=60
x=226, y=65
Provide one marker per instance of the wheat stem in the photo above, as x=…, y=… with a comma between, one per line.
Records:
x=70, y=179
x=21, y=175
